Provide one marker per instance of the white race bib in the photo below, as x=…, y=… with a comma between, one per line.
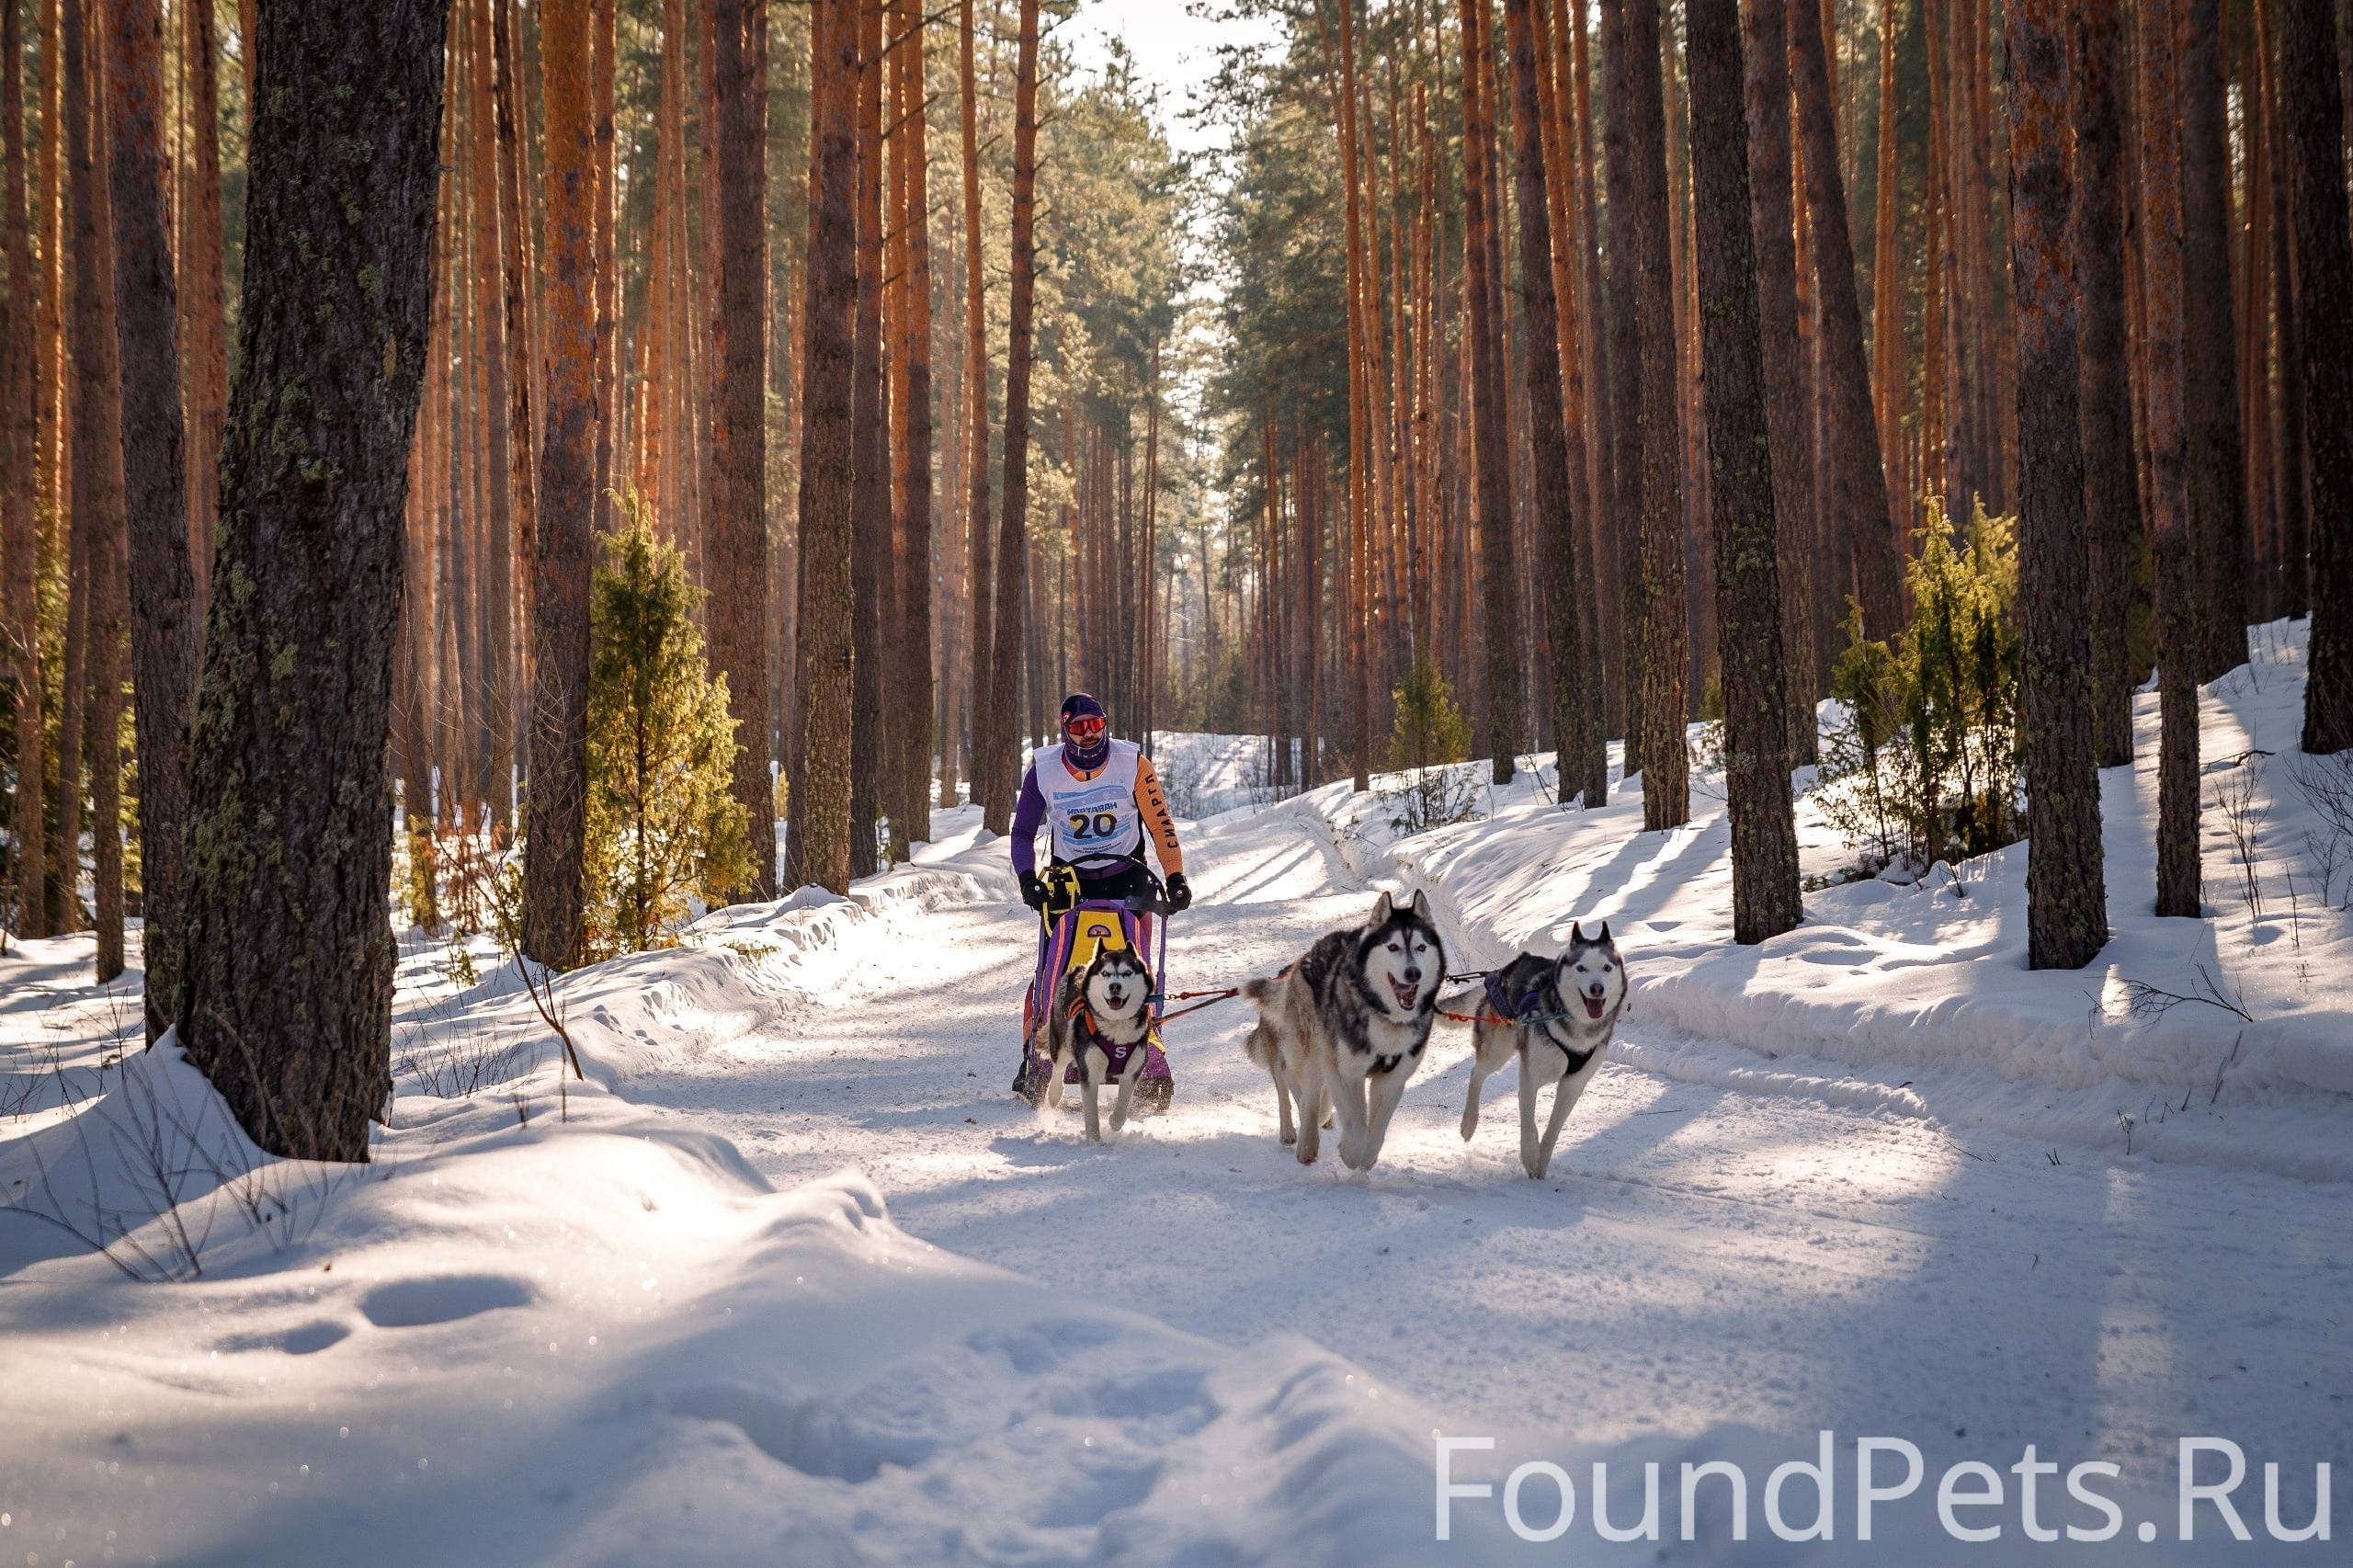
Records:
x=1092, y=816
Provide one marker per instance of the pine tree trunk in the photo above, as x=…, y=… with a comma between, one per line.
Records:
x=870, y=543
x=1660, y=625
x=2112, y=490
x=2177, y=649
x=1740, y=499
x=495, y=675
x=817, y=846
x=739, y=519
x=556, y=805
x=19, y=483
x=1624, y=316
x=2312, y=114
x=163, y=627
x=997, y=772
x=979, y=535
x=522, y=358
x=205, y=371
x=97, y=499
x=917, y=697
x=1553, y=497
x=1501, y=697
x=1856, y=498
x=2288, y=407
x=2065, y=887
x=289, y=828
x=1765, y=84
x=2210, y=362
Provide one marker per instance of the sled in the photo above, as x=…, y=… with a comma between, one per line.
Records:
x=1070, y=932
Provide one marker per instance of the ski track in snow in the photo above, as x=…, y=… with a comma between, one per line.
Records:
x=1698, y=1255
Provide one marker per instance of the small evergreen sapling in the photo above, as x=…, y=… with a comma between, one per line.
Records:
x=663, y=825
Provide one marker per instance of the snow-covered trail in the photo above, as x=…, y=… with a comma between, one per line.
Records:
x=1699, y=1255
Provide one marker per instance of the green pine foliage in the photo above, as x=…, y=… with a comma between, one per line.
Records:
x=1923, y=764
x=1429, y=730
x=664, y=825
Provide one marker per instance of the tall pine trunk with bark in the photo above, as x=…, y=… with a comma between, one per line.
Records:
x=20, y=527
x=557, y=802
x=817, y=844
x=997, y=771
x=1766, y=87
x=2313, y=111
x=1552, y=497
x=2177, y=649
x=1855, y=498
x=1661, y=623
x=97, y=482
x=739, y=537
x=2210, y=359
x=162, y=623
x=2111, y=482
x=1740, y=499
x=288, y=981
x=980, y=580
x=2065, y=888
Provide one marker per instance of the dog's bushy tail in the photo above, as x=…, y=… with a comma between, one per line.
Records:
x=1261, y=991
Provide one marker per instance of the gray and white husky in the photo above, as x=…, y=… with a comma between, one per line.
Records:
x=1102, y=1017
x=1562, y=1013
x=1344, y=1026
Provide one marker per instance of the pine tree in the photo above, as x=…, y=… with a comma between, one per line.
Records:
x=739, y=515
x=1740, y=486
x=996, y=766
x=2177, y=648
x=557, y=803
x=1767, y=84
x=1856, y=497
x=817, y=844
x=21, y=437
x=2066, y=899
x=2311, y=111
x=663, y=821
x=289, y=978
x=2210, y=362
x=162, y=626
x=2112, y=482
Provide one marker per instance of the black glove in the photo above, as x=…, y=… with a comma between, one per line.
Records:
x=1180, y=893
x=1033, y=892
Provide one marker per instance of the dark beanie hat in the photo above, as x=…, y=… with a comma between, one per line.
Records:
x=1079, y=705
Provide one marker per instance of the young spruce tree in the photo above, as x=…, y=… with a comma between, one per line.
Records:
x=663, y=818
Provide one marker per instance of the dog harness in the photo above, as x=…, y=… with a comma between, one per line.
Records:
x=1528, y=1012
x=1116, y=1056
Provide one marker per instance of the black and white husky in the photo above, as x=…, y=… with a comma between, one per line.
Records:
x=1557, y=1015
x=1345, y=1025
x=1102, y=1017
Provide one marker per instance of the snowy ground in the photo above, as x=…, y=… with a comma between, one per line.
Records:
x=798, y=1281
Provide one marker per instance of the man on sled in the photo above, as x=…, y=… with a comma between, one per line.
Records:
x=1097, y=798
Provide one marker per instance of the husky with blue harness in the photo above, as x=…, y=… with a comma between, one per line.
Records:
x=1557, y=1015
x=1099, y=798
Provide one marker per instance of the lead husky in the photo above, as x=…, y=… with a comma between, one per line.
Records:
x=1346, y=1026
x=1562, y=1013
x=1102, y=1017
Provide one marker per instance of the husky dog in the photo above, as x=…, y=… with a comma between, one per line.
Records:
x=1561, y=1012
x=1344, y=1026
x=1102, y=1017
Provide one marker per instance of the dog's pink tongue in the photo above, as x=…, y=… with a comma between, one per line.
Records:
x=1593, y=1007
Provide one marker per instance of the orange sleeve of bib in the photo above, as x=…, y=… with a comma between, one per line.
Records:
x=1153, y=807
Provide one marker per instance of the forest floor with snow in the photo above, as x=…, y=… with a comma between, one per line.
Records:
x=790, y=1277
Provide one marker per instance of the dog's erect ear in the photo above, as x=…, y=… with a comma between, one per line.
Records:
x=1421, y=904
x=1604, y=937
x=1576, y=933
x=1384, y=910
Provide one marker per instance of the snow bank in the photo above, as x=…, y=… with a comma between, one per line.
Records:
x=1905, y=981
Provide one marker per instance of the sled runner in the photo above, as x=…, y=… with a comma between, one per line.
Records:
x=1071, y=931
